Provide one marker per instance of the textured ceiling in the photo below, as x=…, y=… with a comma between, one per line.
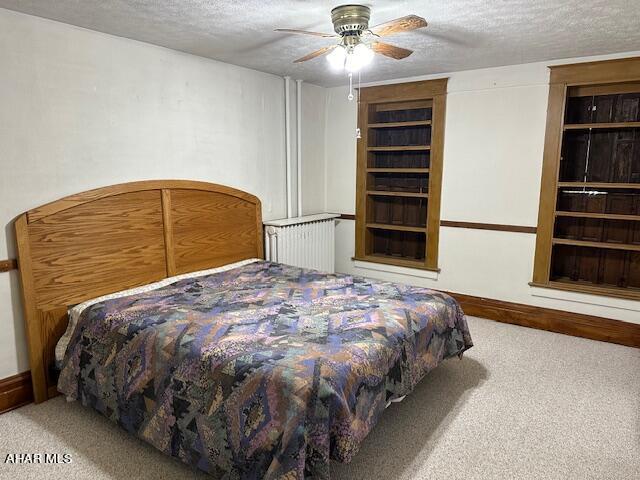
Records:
x=462, y=34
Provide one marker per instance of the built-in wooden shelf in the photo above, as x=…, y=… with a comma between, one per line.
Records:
x=597, y=185
x=587, y=126
x=588, y=236
x=397, y=228
x=609, y=245
x=418, y=123
x=601, y=216
x=400, y=148
x=385, y=193
x=397, y=170
x=399, y=173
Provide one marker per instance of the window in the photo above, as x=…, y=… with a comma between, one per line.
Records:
x=400, y=173
x=588, y=236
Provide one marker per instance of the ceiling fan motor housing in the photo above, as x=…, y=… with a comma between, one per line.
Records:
x=350, y=19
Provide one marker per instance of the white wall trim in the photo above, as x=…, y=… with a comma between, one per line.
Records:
x=287, y=134
x=326, y=142
x=299, y=145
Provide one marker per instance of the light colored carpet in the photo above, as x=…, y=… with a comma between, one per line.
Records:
x=521, y=404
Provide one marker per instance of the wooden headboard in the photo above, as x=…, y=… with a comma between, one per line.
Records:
x=119, y=237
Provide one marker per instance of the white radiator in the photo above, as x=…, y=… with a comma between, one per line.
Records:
x=307, y=242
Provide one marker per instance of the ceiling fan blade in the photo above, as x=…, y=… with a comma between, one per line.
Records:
x=390, y=50
x=305, y=32
x=315, y=54
x=403, y=24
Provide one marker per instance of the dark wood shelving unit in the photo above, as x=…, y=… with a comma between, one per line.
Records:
x=399, y=174
x=589, y=221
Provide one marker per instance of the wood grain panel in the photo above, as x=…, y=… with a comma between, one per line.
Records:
x=211, y=229
x=168, y=232
x=99, y=247
x=607, y=71
x=435, y=176
x=53, y=324
x=144, y=185
x=362, y=202
x=548, y=185
x=32, y=319
x=608, y=89
x=118, y=237
x=408, y=105
x=404, y=91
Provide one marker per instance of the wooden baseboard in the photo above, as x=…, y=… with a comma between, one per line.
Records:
x=559, y=321
x=15, y=391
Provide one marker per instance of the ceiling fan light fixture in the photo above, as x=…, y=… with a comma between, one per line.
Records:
x=337, y=57
x=362, y=55
x=351, y=59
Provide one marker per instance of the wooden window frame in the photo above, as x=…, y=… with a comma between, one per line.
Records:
x=562, y=78
x=434, y=91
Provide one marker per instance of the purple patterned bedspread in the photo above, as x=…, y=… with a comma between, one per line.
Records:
x=263, y=371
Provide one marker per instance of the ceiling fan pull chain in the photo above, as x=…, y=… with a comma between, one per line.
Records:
x=358, y=133
x=350, y=97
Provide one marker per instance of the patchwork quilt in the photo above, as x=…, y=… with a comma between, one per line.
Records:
x=263, y=371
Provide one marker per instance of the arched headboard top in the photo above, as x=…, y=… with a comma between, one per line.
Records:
x=122, y=236
x=91, y=195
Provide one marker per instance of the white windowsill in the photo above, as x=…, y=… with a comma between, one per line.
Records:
x=383, y=267
x=588, y=299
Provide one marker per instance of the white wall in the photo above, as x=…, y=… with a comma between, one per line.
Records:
x=494, y=138
x=80, y=109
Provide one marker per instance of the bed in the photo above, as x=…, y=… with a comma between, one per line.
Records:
x=239, y=367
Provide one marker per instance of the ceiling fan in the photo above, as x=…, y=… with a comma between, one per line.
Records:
x=357, y=42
